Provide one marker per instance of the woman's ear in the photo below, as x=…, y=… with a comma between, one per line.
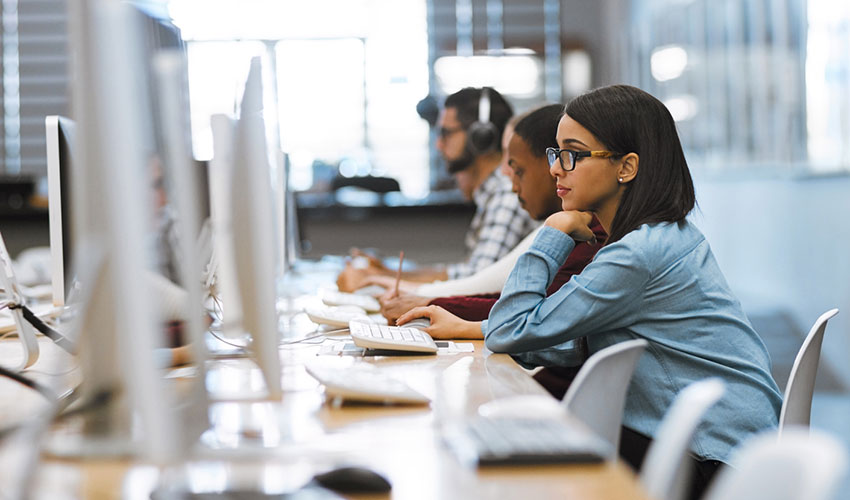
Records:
x=628, y=168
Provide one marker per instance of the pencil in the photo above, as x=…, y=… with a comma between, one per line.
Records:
x=398, y=274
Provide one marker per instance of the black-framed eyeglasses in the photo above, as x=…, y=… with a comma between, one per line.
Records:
x=555, y=154
x=445, y=132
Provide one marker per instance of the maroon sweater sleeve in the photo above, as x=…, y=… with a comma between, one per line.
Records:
x=477, y=307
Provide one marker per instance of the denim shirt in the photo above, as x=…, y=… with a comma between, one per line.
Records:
x=661, y=283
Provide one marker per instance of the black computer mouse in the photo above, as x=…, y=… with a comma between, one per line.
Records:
x=353, y=480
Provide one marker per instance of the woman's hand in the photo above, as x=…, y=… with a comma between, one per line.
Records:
x=393, y=306
x=573, y=223
x=444, y=325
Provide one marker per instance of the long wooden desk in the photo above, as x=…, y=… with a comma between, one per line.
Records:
x=278, y=446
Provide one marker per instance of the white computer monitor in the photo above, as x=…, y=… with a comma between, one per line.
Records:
x=60, y=132
x=289, y=238
x=221, y=171
x=180, y=169
x=253, y=230
x=111, y=216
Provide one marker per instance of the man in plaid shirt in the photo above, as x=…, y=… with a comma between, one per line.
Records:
x=472, y=150
x=470, y=142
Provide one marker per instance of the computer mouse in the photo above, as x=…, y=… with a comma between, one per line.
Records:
x=523, y=406
x=353, y=479
x=420, y=323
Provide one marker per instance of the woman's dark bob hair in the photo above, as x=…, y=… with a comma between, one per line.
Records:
x=628, y=120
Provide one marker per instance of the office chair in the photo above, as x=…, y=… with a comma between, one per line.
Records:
x=800, y=466
x=797, y=403
x=665, y=470
x=598, y=393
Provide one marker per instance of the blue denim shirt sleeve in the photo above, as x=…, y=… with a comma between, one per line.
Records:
x=661, y=283
x=601, y=298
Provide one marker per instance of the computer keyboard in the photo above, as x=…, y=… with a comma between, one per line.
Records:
x=517, y=441
x=362, y=382
x=337, y=298
x=396, y=338
x=336, y=316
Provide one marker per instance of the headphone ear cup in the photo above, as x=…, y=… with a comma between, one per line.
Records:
x=482, y=137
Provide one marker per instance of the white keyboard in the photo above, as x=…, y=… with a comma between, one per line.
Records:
x=365, y=302
x=371, y=290
x=396, y=338
x=336, y=316
x=516, y=441
x=362, y=382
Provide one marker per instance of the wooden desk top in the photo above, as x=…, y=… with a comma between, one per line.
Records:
x=278, y=446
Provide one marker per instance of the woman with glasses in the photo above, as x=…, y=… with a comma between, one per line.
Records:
x=619, y=158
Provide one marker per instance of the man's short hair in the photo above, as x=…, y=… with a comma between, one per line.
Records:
x=466, y=100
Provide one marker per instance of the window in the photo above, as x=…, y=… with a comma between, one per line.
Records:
x=348, y=75
x=828, y=85
x=751, y=84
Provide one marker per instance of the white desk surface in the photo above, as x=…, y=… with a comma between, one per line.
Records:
x=278, y=446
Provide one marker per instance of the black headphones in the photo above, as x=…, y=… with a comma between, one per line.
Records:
x=482, y=136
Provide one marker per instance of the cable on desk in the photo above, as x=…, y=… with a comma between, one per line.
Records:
x=241, y=346
x=32, y=384
x=96, y=401
x=313, y=335
x=41, y=326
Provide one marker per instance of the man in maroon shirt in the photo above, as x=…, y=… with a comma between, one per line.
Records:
x=536, y=191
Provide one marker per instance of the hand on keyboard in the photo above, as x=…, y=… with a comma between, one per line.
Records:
x=444, y=325
x=393, y=306
x=419, y=323
x=391, y=337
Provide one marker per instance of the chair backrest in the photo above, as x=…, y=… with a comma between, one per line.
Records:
x=797, y=403
x=797, y=467
x=665, y=470
x=598, y=393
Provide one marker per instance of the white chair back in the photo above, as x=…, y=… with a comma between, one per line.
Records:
x=797, y=403
x=665, y=469
x=598, y=393
x=800, y=466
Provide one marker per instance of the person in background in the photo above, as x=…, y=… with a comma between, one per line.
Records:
x=472, y=151
x=535, y=189
x=619, y=158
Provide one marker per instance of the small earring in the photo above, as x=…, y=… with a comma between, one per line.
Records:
x=620, y=179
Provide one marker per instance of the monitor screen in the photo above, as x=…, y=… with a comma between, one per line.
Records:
x=59, y=132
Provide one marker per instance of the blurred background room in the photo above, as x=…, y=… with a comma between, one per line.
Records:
x=760, y=91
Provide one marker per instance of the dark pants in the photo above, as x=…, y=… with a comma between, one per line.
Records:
x=633, y=448
x=633, y=445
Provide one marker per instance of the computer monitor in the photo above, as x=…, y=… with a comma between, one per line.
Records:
x=169, y=68
x=59, y=132
x=253, y=230
x=289, y=238
x=111, y=214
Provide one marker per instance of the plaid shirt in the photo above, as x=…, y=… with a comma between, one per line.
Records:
x=498, y=225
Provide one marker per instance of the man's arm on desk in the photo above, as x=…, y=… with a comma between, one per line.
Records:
x=351, y=278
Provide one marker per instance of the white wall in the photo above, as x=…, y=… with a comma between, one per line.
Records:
x=784, y=244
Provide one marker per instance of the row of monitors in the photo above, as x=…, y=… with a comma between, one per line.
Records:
x=99, y=194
